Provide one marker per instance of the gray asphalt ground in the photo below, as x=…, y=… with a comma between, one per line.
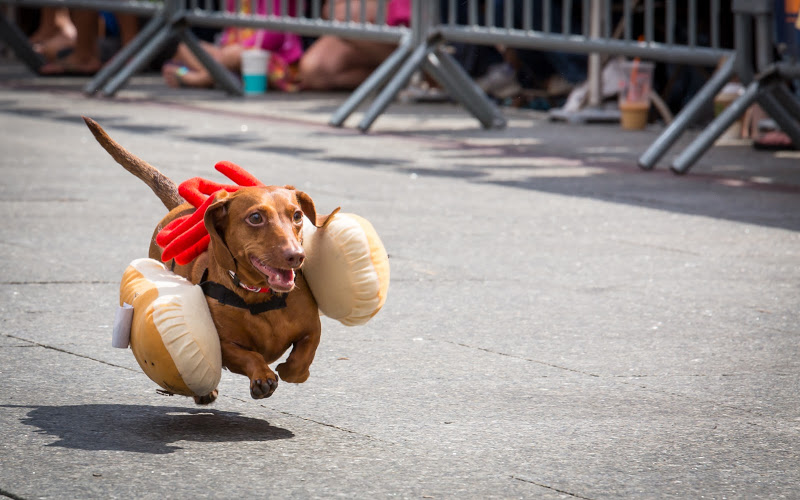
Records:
x=560, y=324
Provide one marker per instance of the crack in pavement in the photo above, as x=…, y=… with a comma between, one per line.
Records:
x=550, y=488
x=523, y=358
x=58, y=349
x=343, y=429
x=632, y=383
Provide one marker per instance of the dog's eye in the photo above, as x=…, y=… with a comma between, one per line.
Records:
x=298, y=217
x=255, y=219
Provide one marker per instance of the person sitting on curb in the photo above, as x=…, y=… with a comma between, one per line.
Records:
x=185, y=70
x=84, y=60
x=334, y=63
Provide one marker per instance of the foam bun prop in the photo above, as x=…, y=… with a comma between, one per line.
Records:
x=347, y=268
x=173, y=336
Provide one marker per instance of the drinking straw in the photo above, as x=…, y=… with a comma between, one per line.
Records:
x=632, y=88
x=260, y=34
x=634, y=76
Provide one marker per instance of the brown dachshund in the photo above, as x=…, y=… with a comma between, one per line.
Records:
x=259, y=301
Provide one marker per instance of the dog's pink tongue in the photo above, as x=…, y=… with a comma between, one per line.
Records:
x=283, y=278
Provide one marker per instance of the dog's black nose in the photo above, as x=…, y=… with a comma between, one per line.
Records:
x=294, y=258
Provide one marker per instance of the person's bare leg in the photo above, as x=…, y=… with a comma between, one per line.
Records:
x=85, y=57
x=47, y=25
x=230, y=56
x=332, y=63
x=195, y=74
x=184, y=69
x=86, y=42
x=55, y=33
x=128, y=27
x=52, y=21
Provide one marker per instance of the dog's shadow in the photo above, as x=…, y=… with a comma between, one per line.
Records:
x=145, y=429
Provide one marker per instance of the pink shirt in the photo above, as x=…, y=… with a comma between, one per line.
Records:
x=398, y=12
x=287, y=45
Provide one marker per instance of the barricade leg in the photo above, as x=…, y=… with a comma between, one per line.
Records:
x=775, y=108
x=375, y=80
x=458, y=83
x=219, y=73
x=791, y=105
x=121, y=58
x=394, y=86
x=18, y=42
x=684, y=119
x=448, y=73
x=148, y=51
x=716, y=128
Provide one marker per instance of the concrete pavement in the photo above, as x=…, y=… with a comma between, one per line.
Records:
x=559, y=323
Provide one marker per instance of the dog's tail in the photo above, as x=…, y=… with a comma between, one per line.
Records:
x=162, y=186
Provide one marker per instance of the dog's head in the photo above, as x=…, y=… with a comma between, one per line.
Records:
x=258, y=233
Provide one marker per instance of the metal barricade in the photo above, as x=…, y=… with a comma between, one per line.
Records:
x=755, y=66
x=173, y=18
x=546, y=25
x=303, y=17
x=566, y=26
x=16, y=40
x=593, y=27
x=528, y=24
x=180, y=15
x=668, y=31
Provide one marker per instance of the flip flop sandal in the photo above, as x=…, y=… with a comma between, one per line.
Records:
x=180, y=72
x=773, y=141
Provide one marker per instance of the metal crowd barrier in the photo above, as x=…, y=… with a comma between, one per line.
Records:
x=755, y=66
x=546, y=25
x=173, y=18
x=532, y=24
x=16, y=40
x=521, y=25
x=643, y=29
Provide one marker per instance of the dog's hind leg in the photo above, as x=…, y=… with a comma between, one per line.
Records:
x=295, y=368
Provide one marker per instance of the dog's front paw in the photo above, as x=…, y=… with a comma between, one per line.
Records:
x=263, y=387
x=207, y=399
x=292, y=374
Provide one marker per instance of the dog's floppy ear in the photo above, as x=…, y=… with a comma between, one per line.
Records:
x=214, y=221
x=310, y=211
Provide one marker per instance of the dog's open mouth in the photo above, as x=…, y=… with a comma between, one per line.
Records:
x=280, y=280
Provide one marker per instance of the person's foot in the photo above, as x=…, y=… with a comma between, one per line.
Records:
x=71, y=65
x=774, y=140
x=55, y=46
x=45, y=32
x=39, y=36
x=176, y=75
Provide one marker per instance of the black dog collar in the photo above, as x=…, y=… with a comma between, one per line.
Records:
x=238, y=282
x=228, y=297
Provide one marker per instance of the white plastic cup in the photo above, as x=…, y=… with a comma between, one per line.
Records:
x=254, y=71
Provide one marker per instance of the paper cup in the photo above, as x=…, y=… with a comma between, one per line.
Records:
x=254, y=71
x=634, y=96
